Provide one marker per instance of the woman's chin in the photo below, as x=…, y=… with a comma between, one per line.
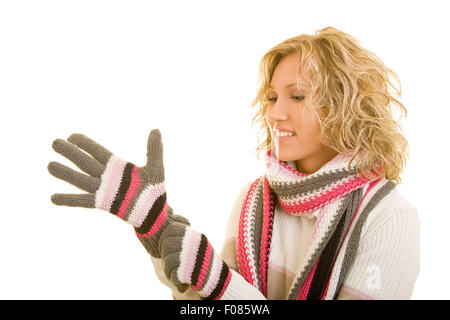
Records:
x=287, y=157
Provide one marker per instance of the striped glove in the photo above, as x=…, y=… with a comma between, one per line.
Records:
x=136, y=195
x=190, y=260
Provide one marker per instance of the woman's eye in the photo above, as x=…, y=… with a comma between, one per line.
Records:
x=297, y=98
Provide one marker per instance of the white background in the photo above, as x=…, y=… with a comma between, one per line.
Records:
x=114, y=70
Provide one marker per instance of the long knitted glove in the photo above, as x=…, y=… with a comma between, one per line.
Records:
x=189, y=259
x=136, y=195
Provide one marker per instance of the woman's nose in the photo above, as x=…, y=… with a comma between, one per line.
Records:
x=277, y=111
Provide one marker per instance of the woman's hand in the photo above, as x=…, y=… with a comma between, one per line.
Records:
x=136, y=195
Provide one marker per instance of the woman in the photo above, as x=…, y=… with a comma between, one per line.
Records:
x=325, y=221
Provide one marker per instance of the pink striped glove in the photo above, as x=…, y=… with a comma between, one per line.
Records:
x=190, y=260
x=136, y=195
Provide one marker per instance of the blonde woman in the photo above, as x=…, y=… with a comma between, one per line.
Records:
x=324, y=221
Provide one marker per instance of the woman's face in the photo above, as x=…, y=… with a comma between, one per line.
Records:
x=287, y=111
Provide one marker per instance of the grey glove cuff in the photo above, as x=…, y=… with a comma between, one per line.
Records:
x=151, y=244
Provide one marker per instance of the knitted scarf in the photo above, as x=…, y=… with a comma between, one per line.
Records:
x=344, y=198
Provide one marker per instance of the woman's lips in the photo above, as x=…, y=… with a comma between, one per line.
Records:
x=284, y=138
x=275, y=133
x=282, y=129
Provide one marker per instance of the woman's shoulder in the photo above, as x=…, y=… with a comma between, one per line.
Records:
x=240, y=198
x=394, y=207
x=246, y=188
x=395, y=199
x=233, y=220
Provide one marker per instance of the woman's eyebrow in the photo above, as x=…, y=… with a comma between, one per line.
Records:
x=287, y=86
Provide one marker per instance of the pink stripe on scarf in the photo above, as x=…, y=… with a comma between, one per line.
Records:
x=112, y=183
x=265, y=236
x=307, y=284
x=324, y=198
x=157, y=225
x=132, y=189
x=243, y=257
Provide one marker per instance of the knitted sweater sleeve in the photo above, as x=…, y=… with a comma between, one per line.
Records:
x=387, y=262
x=238, y=287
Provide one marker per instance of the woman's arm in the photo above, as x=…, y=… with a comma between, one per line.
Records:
x=189, y=294
x=189, y=262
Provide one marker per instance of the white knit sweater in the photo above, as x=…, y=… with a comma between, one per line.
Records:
x=386, y=265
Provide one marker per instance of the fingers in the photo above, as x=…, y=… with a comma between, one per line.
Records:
x=80, y=180
x=78, y=157
x=90, y=146
x=74, y=200
x=154, y=164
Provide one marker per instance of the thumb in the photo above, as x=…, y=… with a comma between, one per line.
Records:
x=154, y=164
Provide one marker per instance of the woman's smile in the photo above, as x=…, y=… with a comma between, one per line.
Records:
x=284, y=138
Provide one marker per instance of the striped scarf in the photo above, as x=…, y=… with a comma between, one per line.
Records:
x=346, y=200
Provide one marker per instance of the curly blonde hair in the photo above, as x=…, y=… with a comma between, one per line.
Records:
x=352, y=88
